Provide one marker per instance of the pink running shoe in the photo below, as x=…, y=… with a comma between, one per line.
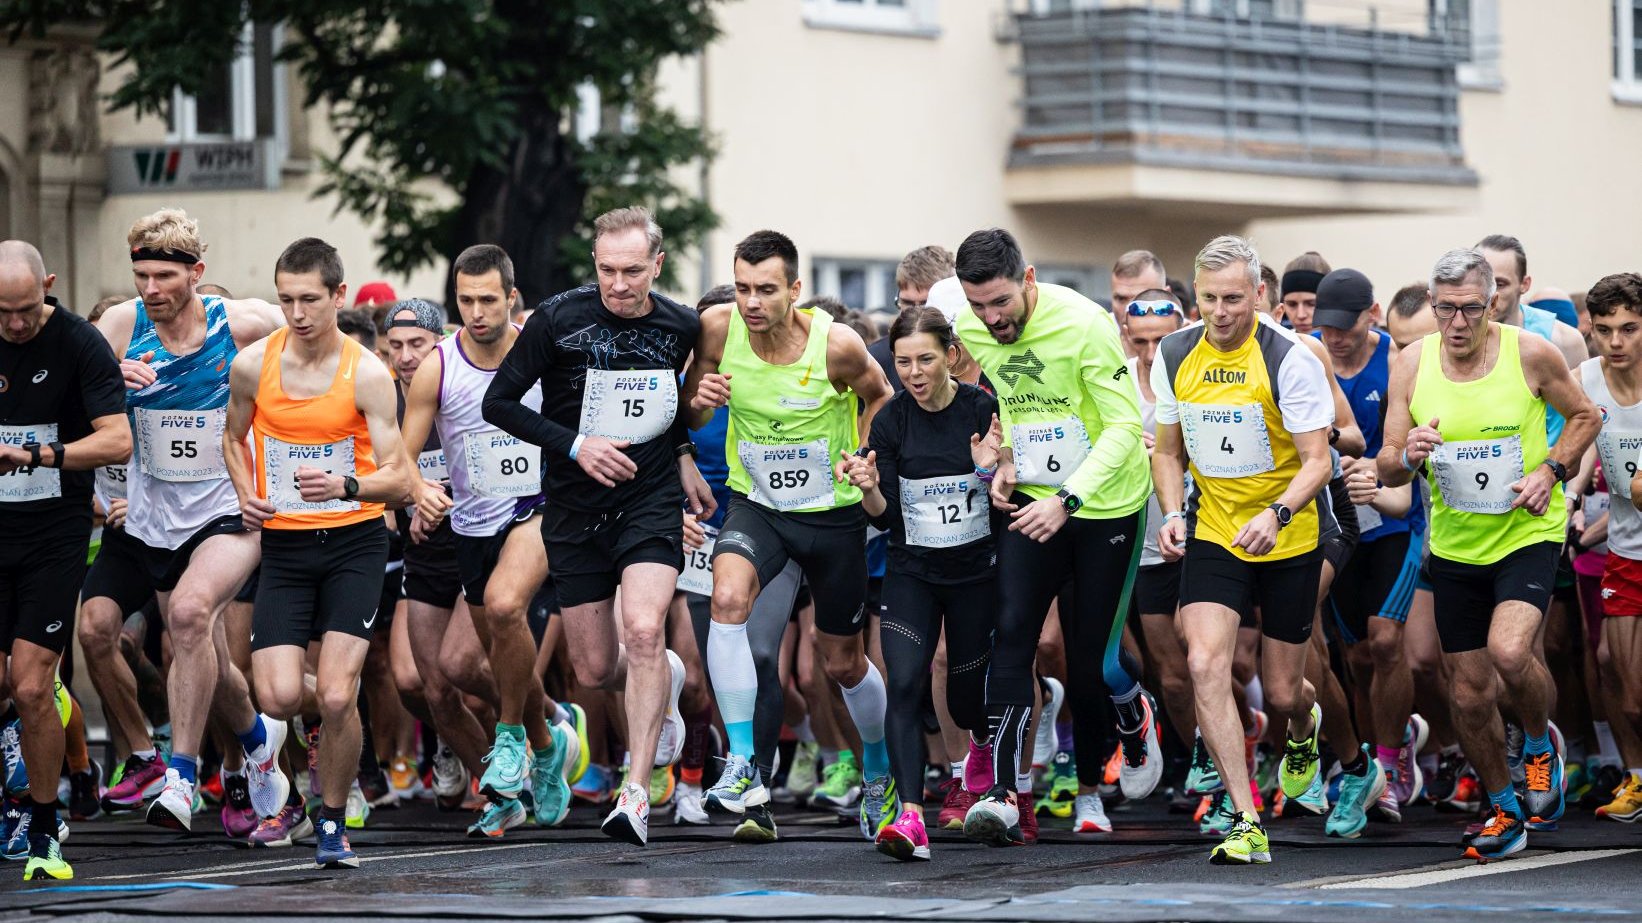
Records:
x=905, y=839
x=978, y=768
x=143, y=779
x=238, y=817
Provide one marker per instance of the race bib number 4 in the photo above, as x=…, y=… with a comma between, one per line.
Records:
x=1619, y=453
x=501, y=466
x=637, y=405
x=20, y=485
x=789, y=477
x=1227, y=441
x=944, y=512
x=284, y=458
x=1476, y=476
x=698, y=567
x=181, y=445
x=1048, y=453
x=431, y=465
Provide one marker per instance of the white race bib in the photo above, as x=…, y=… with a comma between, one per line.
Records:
x=431, y=465
x=1368, y=518
x=1619, y=452
x=1048, y=453
x=944, y=512
x=111, y=481
x=1476, y=476
x=283, y=458
x=788, y=477
x=697, y=577
x=1227, y=441
x=23, y=484
x=181, y=445
x=501, y=466
x=637, y=405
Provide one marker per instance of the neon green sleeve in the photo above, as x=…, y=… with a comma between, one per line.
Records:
x=1105, y=379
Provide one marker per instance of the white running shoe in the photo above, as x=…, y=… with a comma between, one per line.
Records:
x=267, y=782
x=1091, y=815
x=1142, y=761
x=174, y=808
x=670, y=745
x=629, y=821
x=450, y=777
x=687, y=807
x=358, y=810
x=1047, y=741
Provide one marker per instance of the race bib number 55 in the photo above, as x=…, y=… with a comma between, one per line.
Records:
x=1476, y=476
x=181, y=445
x=284, y=458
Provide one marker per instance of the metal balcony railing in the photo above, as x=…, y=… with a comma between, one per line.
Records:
x=1159, y=86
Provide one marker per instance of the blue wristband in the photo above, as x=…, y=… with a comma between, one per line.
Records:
x=1406, y=465
x=576, y=447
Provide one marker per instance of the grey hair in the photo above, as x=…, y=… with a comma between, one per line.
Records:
x=1456, y=266
x=1225, y=250
x=633, y=216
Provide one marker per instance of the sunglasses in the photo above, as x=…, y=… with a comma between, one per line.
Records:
x=1152, y=308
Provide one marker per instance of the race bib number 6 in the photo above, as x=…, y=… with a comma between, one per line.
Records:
x=636, y=405
x=1048, y=453
x=284, y=458
x=181, y=445
x=1476, y=476
x=789, y=477
x=1227, y=441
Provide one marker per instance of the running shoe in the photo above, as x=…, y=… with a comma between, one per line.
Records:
x=1502, y=835
x=11, y=747
x=1440, y=787
x=840, y=784
x=879, y=805
x=1029, y=817
x=1245, y=844
x=687, y=806
x=1142, y=747
x=333, y=851
x=17, y=844
x=802, y=775
x=238, y=817
x=738, y=788
x=407, y=785
x=933, y=777
x=85, y=793
x=1468, y=796
x=1543, y=799
x=1300, y=758
x=1315, y=798
x=497, y=819
x=310, y=745
x=210, y=791
x=629, y=820
x=595, y=784
x=1515, y=739
x=670, y=743
x=757, y=826
x=1578, y=784
x=1111, y=774
x=1251, y=745
x=11, y=814
x=1407, y=777
x=283, y=829
x=905, y=839
x=1626, y=805
x=1063, y=791
x=505, y=771
x=978, y=767
x=550, y=791
x=450, y=779
x=584, y=758
x=1357, y=793
x=174, y=808
x=1047, y=742
x=954, y=805
x=378, y=791
x=45, y=861
x=1219, y=819
x=162, y=742
x=1091, y=815
x=140, y=780
x=358, y=808
x=1202, y=778
x=994, y=820
x=1386, y=807
x=267, y=783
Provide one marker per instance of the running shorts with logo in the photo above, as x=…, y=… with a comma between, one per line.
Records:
x=590, y=549
x=477, y=556
x=319, y=580
x=128, y=571
x=42, y=564
x=828, y=546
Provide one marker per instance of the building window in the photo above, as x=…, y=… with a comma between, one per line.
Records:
x=1250, y=9
x=901, y=17
x=866, y=285
x=1474, y=24
x=245, y=102
x=1627, y=51
x=1087, y=282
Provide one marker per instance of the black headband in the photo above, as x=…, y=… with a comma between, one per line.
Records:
x=1301, y=280
x=169, y=256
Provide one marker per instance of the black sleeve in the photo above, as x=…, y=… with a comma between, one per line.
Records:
x=885, y=439
x=102, y=388
x=526, y=364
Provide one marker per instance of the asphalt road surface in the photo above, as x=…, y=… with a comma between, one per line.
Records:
x=417, y=864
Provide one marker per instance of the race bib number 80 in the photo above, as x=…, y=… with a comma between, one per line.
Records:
x=282, y=459
x=501, y=466
x=1227, y=441
x=1476, y=476
x=789, y=477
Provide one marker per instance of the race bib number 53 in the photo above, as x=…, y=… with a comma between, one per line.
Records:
x=283, y=459
x=1476, y=476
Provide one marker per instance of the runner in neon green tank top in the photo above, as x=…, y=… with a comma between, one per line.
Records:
x=792, y=380
x=1468, y=404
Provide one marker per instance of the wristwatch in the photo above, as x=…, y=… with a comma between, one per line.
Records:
x=33, y=448
x=1284, y=514
x=56, y=454
x=350, y=487
x=688, y=448
x=1558, y=469
x=1069, y=501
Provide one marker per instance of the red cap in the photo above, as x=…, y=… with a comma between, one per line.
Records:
x=374, y=293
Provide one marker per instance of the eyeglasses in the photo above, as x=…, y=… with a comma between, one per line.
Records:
x=1447, y=311
x=1152, y=308
x=904, y=303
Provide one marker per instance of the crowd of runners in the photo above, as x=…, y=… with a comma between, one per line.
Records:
x=1262, y=544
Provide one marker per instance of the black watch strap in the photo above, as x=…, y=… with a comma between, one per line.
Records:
x=1558, y=469
x=56, y=454
x=34, y=453
x=350, y=487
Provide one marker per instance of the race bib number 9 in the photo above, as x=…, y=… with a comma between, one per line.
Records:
x=181, y=445
x=1048, y=453
x=789, y=477
x=1476, y=476
x=282, y=459
x=944, y=512
x=501, y=466
x=637, y=405
x=20, y=485
x=698, y=567
x=1227, y=441
x=431, y=465
x=1619, y=453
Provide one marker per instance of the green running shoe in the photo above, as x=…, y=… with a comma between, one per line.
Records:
x=1357, y=793
x=840, y=784
x=504, y=778
x=804, y=774
x=1063, y=791
x=497, y=819
x=880, y=805
x=1219, y=819
x=584, y=752
x=1202, y=778
x=1300, y=758
x=46, y=861
x=1315, y=798
x=661, y=786
x=548, y=786
x=1246, y=844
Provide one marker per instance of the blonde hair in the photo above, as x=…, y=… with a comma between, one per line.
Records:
x=167, y=229
x=1226, y=250
x=924, y=267
x=633, y=216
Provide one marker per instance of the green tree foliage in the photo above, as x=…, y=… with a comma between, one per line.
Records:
x=455, y=117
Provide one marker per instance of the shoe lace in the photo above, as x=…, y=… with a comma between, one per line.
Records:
x=1296, y=755
x=1133, y=745
x=1498, y=823
x=1538, y=771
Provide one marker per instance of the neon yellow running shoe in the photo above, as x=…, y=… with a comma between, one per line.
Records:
x=1245, y=845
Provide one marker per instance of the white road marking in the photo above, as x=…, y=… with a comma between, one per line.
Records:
x=284, y=865
x=1448, y=871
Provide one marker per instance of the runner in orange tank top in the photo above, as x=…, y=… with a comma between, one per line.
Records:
x=324, y=458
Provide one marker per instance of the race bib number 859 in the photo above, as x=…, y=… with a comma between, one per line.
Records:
x=789, y=477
